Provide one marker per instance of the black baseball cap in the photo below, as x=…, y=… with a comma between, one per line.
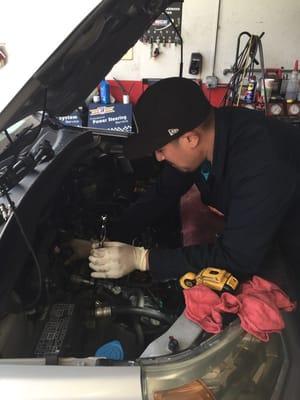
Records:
x=165, y=111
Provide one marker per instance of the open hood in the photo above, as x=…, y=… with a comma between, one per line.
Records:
x=84, y=58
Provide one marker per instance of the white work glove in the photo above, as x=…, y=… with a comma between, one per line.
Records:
x=116, y=259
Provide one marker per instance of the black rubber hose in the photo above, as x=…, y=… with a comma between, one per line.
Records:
x=137, y=326
x=139, y=334
x=142, y=312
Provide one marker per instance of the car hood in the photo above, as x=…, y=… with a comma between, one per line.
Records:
x=84, y=58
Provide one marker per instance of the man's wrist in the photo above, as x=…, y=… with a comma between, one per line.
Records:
x=147, y=260
x=142, y=258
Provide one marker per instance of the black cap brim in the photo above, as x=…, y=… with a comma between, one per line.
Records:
x=138, y=146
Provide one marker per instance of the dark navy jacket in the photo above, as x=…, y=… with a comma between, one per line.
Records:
x=254, y=181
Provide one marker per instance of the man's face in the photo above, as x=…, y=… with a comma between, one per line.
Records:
x=184, y=153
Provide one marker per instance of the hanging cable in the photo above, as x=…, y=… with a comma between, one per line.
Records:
x=44, y=112
x=262, y=62
x=244, y=71
x=4, y=191
x=8, y=136
x=32, y=252
x=243, y=67
x=181, y=43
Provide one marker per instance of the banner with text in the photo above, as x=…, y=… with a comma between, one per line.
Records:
x=117, y=117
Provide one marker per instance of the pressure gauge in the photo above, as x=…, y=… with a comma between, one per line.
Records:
x=293, y=109
x=275, y=109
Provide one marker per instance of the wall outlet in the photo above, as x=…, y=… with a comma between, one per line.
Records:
x=211, y=82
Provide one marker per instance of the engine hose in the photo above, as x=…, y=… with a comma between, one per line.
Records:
x=139, y=334
x=143, y=312
x=136, y=323
x=136, y=311
x=140, y=298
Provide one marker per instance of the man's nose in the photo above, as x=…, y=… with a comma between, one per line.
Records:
x=159, y=156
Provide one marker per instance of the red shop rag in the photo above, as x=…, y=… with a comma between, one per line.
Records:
x=257, y=304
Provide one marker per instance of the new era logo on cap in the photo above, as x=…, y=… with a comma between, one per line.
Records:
x=173, y=131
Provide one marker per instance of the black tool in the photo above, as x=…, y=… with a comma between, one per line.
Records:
x=196, y=64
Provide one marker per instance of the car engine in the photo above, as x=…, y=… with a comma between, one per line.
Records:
x=62, y=311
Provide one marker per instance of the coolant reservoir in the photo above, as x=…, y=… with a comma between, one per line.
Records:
x=183, y=331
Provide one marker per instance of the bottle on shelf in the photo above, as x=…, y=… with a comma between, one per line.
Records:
x=283, y=85
x=104, y=90
x=250, y=93
x=293, y=84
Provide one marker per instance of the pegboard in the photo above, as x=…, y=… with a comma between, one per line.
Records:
x=162, y=31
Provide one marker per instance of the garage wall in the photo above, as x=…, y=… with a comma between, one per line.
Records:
x=279, y=20
x=29, y=44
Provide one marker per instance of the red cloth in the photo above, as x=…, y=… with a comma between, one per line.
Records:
x=258, y=306
x=201, y=307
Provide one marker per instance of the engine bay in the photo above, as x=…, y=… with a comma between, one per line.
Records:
x=60, y=310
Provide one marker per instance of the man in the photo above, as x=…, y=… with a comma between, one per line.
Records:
x=253, y=181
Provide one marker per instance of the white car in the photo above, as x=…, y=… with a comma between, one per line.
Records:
x=64, y=335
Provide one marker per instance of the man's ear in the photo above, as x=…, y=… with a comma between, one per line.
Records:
x=191, y=139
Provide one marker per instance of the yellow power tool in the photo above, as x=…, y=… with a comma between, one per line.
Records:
x=217, y=279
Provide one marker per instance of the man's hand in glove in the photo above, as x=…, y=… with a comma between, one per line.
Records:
x=80, y=248
x=116, y=259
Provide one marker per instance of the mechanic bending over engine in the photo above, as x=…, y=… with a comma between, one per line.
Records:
x=253, y=181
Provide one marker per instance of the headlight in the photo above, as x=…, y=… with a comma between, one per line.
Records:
x=230, y=366
x=193, y=391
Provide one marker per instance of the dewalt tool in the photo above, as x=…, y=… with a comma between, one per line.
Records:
x=217, y=279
